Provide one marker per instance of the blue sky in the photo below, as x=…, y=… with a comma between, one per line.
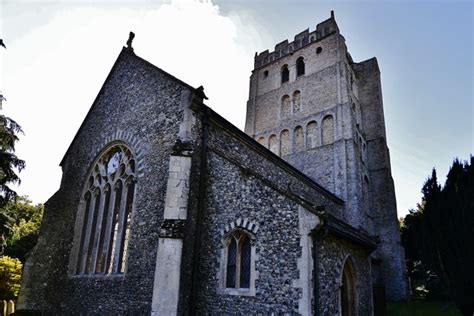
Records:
x=59, y=49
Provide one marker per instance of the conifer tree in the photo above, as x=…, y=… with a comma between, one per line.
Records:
x=440, y=233
x=10, y=164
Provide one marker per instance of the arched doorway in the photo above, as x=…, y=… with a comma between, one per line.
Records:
x=348, y=290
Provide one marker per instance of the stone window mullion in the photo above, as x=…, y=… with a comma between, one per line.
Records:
x=101, y=257
x=98, y=229
x=87, y=236
x=238, y=262
x=127, y=218
x=118, y=241
x=108, y=229
x=93, y=232
x=85, y=209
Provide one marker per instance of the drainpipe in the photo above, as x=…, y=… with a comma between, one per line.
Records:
x=200, y=211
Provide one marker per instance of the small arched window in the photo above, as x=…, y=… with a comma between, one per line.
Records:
x=106, y=210
x=238, y=260
x=284, y=142
x=261, y=140
x=285, y=106
x=273, y=144
x=296, y=101
x=327, y=129
x=299, y=67
x=312, y=135
x=285, y=74
x=366, y=195
x=299, y=139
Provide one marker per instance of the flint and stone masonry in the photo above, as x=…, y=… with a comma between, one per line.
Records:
x=295, y=216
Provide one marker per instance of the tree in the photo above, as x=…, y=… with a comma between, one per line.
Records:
x=9, y=162
x=439, y=235
x=10, y=277
x=21, y=232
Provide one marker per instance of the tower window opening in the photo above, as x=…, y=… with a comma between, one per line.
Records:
x=300, y=67
x=285, y=74
x=296, y=101
x=319, y=50
x=285, y=106
x=265, y=74
x=327, y=130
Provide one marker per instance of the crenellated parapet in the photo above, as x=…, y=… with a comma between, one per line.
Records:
x=301, y=40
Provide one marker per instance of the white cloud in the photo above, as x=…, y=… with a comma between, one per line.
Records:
x=53, y=71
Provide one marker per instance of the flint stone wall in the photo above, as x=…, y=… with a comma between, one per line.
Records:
x=331, y=255
x=243, y=185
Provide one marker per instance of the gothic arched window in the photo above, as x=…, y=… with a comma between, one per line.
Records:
x=285, y=74
x=348, y=290
x=300, y=67
x=238, y=260
x=106, y=210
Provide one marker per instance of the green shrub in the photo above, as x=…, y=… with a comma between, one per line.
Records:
x=10, y=277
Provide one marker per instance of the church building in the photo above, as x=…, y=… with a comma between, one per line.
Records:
x=166, y=208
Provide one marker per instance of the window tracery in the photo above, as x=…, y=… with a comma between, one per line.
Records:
x=238, y=260
x=108, y=201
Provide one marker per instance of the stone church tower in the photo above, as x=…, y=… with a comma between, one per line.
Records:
x=312, y=105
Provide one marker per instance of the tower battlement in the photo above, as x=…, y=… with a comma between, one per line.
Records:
x=302, y=39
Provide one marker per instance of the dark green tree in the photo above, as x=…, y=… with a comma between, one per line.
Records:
x=24, y=220
x=10, y=164
x=438, y=235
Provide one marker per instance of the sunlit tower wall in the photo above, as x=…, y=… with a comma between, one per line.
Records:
x=313, y=106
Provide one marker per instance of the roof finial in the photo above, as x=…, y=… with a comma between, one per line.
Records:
x=200, y=92
x=332, y=14
x=130, y=40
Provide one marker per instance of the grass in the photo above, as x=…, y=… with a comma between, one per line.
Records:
x=421, y=308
